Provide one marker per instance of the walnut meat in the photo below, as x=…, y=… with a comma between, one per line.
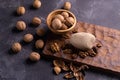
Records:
x=55, y=47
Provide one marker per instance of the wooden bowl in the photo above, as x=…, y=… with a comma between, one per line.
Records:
x=55, y=12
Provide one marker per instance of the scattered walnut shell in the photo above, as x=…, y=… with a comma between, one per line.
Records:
x=65, y=68
x=91, y=53
x=37, y=4
x=67, y=51
x=57, y=70
x=68, y=75
x=58, y=63
x=79, y=76
x=36, y=21
x=98, y=45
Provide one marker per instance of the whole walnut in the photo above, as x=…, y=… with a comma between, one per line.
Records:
x=36, y=21
x=20, y=10
x=67, y=5
x=28, y=37
x=16, y=47
x=37, y=4
x=69, y=21
x=65, y=14
x=56, y=24
x=39, y=44
x=34, y=56
x=20, y=25
x=40, y=32
x=60, y=17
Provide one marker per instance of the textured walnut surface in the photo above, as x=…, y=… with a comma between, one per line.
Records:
x=108, y=56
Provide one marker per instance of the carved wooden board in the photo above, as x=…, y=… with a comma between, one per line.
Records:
x=108, y=57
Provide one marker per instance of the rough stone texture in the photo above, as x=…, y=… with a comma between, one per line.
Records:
x=16, y=67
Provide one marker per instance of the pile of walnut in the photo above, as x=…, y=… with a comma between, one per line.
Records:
x=71, y=70
x=62, y=21
x=72, y=51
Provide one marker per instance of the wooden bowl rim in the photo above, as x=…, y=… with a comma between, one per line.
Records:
x=60, y=10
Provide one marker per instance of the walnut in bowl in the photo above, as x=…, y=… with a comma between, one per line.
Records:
x=60, y=24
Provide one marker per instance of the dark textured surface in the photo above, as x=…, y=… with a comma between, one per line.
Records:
x=16, y=66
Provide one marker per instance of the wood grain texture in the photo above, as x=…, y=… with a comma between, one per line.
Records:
x=108, y=55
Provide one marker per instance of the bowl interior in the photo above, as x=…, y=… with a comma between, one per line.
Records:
x=59, y=11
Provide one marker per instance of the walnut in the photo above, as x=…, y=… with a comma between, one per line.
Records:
x=68, y=75
x=55, y=47
x=57, y=70
x=82, y=54
x=66, y=36
x=91, y=53
x=67, y=51
x=98, y=45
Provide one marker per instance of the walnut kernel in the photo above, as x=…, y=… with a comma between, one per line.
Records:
x=54, y=47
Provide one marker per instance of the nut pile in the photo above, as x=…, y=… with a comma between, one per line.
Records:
x=62, y=21
x=71, y=70
x=68, y=49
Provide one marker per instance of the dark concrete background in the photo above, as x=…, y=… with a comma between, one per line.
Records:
x=16, y=66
